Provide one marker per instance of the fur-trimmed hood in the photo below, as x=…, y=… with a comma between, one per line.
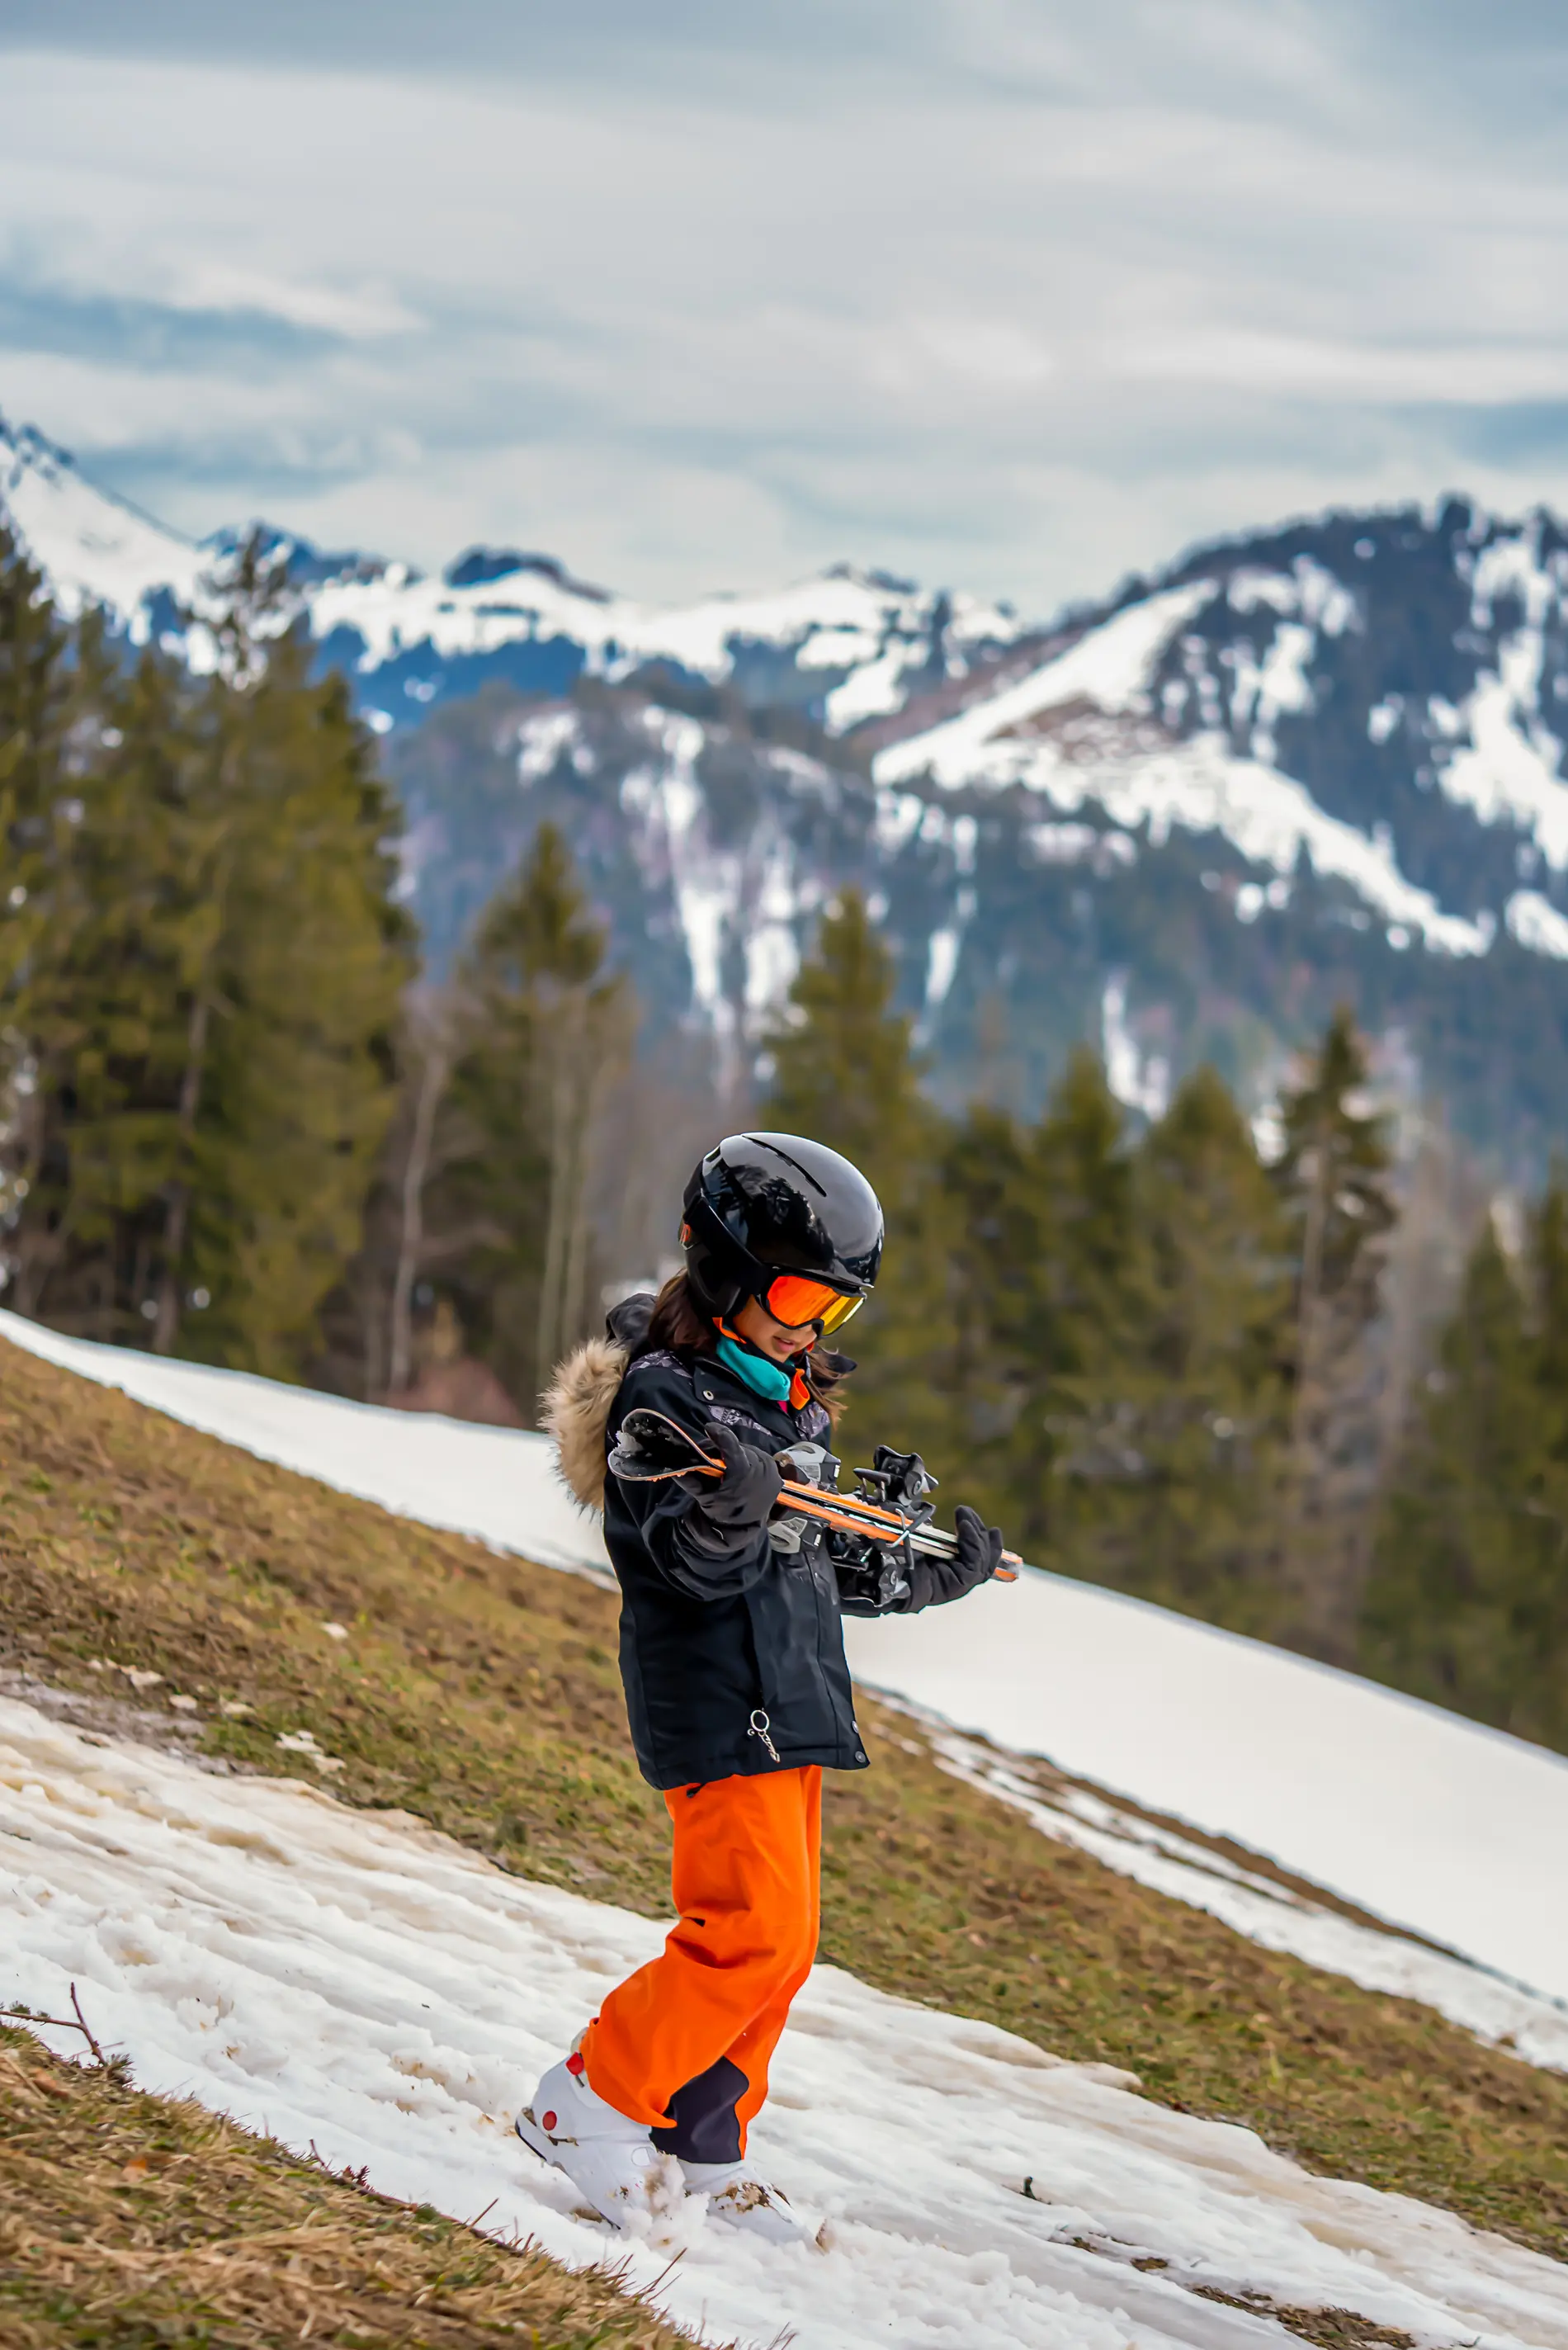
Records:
x=574, y=1408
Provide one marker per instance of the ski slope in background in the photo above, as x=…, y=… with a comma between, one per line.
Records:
x=1452, y=1832
x=355, y=1980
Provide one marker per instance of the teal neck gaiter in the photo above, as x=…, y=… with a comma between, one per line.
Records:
x=769, y=1380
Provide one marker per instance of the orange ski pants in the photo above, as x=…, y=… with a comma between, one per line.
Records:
x=704, y=2017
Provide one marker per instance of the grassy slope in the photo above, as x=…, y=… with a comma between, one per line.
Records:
x=482, y=1693
x=129, y=2220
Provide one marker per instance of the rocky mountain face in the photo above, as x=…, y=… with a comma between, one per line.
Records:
x=1311, y=764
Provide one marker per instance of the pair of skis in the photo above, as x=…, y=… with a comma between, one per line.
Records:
x=652, y=1447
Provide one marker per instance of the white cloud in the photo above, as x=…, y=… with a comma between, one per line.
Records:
x=1031, y=297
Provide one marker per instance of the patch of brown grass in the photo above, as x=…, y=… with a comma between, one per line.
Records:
x=129, y=2221
x=1331, y=2329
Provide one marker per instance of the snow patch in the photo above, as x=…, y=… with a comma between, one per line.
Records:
x=1111, y=666
x=1434, y=1824
x=1266, y=690
x=1509, y=570
x=1198, y=784
x=874, y=691
x=1200, y=787
x=1536, y=923
x=1061, y=844
x=364, y=1984
x=1306, y=592
x=1139, y=1082
x=543, y=742
x=497, y=1485
x=1275, y=1916
x=941, y=963
x=92, y=549
x=898, y=820
x=772, y=951
x=1509, y=767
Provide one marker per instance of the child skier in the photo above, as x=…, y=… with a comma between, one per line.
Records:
x=731, y=1654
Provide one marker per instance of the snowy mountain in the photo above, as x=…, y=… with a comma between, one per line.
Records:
x=850, y=645
x=1307, y=696
x=92, y=548
x=1311, y=764
x=1078, y=869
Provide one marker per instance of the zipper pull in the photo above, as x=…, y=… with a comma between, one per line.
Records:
x=760, y=1728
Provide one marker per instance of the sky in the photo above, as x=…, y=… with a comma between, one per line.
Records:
x=1016, y=296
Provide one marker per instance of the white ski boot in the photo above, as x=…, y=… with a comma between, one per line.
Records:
x=741, y=2199
x=612, y=2161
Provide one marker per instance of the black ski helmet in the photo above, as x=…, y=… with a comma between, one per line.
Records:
x=760, y=1205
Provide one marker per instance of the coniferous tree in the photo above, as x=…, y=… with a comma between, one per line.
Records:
x=292, y=1078
x=40, y=710
x=1333, y=1177
x=1123, y=1343
x=1466, y=1603
x=844, y=1066
x=844, y=1072
x=1041, y=1235
x=39, y=699
x=86, y=979
x=198, y=1025
x=104, y=1024
x=1075, y=1324
x=545, y=1028
x=1201, y=1528
x=999, y=1236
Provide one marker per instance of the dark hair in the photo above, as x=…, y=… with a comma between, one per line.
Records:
x=679, y=1323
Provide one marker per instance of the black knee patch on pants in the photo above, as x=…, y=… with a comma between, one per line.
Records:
x=704, y=2126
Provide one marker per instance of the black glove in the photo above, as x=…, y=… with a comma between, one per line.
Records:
x=934, y=1581
x=979, y=1547
x=742, y=1502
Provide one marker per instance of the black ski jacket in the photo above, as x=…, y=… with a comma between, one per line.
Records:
x=736, y=1667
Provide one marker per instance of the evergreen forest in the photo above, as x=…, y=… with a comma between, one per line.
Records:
x=1316, y=1393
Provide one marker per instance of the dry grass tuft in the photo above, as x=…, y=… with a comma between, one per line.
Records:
x=129, y=2221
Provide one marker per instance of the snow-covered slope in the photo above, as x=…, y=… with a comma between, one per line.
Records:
x=1417, y=1816
x=92, y=548
x=855, y=642
x=1450, y=1831
x=1170, y=715
x=361, y=1984
x=1054, y=733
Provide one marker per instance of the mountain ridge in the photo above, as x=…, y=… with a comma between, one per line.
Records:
x=1318, y=761
x=408, y=639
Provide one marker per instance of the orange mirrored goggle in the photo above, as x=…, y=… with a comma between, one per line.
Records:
x=795, y=1301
